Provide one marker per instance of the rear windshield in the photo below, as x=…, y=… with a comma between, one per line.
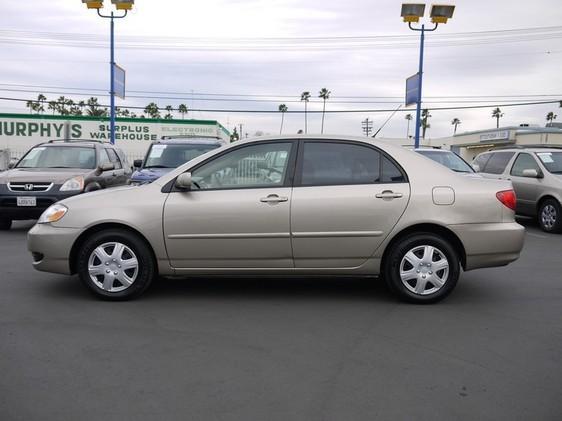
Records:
x=59, y=157
x=552, y=161
x=172, y=156
x=448, y=159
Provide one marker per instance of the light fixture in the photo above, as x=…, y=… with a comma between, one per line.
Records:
x=440, y=13
x=93, y=4
x=123, y=4
x=412, y=12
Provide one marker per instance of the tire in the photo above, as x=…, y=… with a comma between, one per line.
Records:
x=550, y=216
x=5, y=224
x=110, y=280
x=421, y=284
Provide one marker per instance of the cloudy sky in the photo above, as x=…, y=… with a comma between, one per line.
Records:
x=254, y=55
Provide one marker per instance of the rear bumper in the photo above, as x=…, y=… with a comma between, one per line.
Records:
x=50, y=247
x=489, y=245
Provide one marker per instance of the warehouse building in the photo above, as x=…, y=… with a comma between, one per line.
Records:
x=19, y=132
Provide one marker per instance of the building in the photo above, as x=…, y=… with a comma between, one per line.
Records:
x=470, y=144
x=19, y=132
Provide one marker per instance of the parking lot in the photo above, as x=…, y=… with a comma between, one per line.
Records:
x=283, y=349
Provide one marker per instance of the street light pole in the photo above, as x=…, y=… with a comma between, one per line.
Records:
x=112, y=17
x=422, y=31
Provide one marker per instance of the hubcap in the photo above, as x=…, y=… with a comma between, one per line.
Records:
x=548, y=216
x=113, y=267
x=424, y=270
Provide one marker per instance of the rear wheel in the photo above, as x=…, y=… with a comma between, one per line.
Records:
x=5, y=224
x=422, y=268
x=550, y=216
x=116, y=264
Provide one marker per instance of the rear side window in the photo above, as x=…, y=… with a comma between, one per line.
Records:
x=114, y=158
x=497, y=163
x=481, y=161
x=523, y=162
x=332, y=163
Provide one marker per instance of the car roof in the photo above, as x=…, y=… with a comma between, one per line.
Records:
x=432, y=150
x=530, y=148
x=74, y=143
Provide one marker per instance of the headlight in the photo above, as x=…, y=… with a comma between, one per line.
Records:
x=73, y=184
x=53, y=213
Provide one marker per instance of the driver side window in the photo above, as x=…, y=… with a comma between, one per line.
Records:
x=256, y=166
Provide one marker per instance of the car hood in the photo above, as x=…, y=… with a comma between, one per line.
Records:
x=52, y=175
x=149, y=174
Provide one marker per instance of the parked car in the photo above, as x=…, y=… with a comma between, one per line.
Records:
x=169, y=153
x=447, y=158
x=536, y=174
x=289, y=206
x=56, y=170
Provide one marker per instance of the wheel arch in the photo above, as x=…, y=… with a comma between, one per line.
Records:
x=545, y=198
x=102, y=227
x=431, y=228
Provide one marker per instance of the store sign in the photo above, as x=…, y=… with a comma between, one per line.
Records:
x=502, y=135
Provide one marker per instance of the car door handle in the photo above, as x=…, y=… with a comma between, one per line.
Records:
x=273, y=198
x=388, y=194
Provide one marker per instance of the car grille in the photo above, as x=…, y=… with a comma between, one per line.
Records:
x=29, y=187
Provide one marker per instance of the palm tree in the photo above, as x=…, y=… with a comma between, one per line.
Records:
x=52, y=106
x=455, y=123
x=325, y=95
x=182, y=108
x=424, y=121
x=497, y=114
x=40, y=101
x=31, y=106
x=169, y=110
x=550, y=117
x=305, y=96
x=152, y=110
x=408, y=117
x=94, y=108
x=282, y=109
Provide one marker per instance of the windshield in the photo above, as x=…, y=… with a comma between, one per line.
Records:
x=552, y=161
x=59, y=157
x=172, y=156
x=449, y=159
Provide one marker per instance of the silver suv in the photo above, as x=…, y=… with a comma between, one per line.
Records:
x=536, y=174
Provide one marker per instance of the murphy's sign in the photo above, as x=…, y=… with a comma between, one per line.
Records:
x=19, y=132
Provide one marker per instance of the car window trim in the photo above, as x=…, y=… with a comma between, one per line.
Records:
x=287, y=182
x=382, y=154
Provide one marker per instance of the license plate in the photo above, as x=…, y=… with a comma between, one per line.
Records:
x=27, y=201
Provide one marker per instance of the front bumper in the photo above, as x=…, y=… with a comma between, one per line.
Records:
x=9, y=208
x=490, y=245
x=50, y=247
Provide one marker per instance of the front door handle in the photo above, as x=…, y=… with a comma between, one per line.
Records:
x=273, y=198
x=388, y=195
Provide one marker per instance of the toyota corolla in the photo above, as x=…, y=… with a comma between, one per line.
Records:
x=287, y=206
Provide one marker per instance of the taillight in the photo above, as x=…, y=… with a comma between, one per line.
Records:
x=507, y=197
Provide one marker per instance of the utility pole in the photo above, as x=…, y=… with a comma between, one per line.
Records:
x=367, y=126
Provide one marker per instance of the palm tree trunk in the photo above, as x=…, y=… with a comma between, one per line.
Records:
x=305, y=119
x=282, y=118
x=497, y=122
x=323, y=113
x=455, y=132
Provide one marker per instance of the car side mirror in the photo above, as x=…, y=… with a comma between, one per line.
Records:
x=532, y=173
x=476, y=167
x=137, y=163
x=12, y=165
x=184, y=182
x=106, y=166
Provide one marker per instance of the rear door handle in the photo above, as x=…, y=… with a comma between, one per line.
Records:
x=388, y=194
x=273, y=198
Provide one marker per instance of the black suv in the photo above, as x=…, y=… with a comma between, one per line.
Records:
x=55, y=170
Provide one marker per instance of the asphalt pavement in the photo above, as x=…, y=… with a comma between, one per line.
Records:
x=262, y=349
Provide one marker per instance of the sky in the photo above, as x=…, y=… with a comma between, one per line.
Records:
x=255, y=55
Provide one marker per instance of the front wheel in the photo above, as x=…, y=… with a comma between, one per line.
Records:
x=422, y=268
x=116, y=264
x=550, y=216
